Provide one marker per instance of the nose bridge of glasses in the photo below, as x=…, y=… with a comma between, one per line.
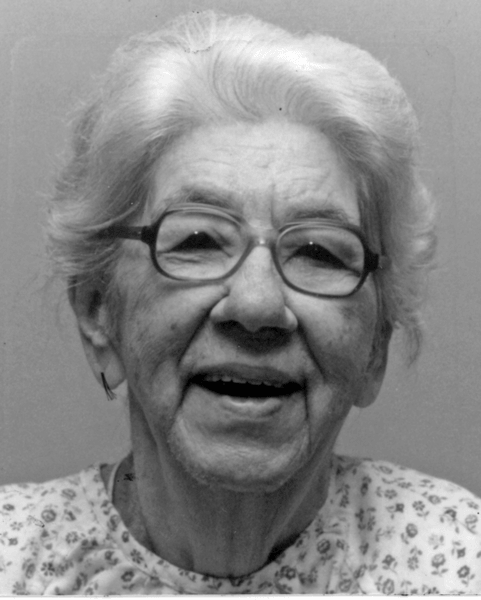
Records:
x=260, y=236
x=265, y=237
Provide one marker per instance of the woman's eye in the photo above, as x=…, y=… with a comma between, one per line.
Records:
x=198, y=240
x=320, y=255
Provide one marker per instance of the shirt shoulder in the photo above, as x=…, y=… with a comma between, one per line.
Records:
x=409, y=532
x=37, y=523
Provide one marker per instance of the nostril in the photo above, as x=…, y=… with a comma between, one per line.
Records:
x=255, y=297
x=259, y=341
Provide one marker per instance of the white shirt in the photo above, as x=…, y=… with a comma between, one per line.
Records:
x=383, y=529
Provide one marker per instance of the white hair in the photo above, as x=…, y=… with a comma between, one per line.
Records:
x=210, y=68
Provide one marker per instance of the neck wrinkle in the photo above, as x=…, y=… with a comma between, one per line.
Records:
x=219, y=533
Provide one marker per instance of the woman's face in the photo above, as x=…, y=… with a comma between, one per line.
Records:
x=176, y=340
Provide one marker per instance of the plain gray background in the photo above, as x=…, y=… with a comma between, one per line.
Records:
x=54, y=418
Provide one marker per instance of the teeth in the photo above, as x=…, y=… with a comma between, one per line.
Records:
x=228, y=378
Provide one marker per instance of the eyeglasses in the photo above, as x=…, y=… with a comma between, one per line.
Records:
x=205, y=244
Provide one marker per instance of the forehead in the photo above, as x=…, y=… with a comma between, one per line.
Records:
x=273, y=171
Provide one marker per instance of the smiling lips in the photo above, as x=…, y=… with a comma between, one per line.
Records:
x=255, y=384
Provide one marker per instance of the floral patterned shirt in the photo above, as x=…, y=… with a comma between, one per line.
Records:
x=383, y=529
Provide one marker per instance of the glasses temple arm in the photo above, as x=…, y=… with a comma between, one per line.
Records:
x=384, y=262
x=129, y=232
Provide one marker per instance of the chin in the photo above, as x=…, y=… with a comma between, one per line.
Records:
x=244, y=470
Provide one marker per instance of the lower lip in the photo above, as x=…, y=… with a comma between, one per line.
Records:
x=251, y=408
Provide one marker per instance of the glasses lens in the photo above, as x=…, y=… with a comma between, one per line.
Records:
x=198, y=245
x=322, y=259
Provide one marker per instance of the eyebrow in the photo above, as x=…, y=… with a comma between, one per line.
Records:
x=196, y=195
x=225, y=199
x=326, y=211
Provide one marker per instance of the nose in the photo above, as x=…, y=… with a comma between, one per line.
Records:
x=255, y=297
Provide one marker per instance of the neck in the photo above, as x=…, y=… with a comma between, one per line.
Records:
x=208, y=529
x=211, y=529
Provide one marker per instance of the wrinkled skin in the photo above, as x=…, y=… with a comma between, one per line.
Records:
x=251, y=325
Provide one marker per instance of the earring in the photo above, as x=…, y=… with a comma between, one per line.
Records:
x=108, y=390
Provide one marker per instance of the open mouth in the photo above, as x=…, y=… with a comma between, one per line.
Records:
x=244, y=388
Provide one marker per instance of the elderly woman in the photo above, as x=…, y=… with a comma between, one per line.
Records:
x=241, y=227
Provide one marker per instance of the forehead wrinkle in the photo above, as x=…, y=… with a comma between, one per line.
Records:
x=306, y=182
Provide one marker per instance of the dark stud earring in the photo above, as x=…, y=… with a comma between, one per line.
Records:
x=108, y=390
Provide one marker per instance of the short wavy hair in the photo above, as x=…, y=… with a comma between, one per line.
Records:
x=206, y=68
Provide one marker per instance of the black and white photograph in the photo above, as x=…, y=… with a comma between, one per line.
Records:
x=240, y=341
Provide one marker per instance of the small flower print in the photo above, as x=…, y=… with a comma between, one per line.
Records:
x=72, y=537
x=371, y=522
x=436, y=540
x=471, y=521
x=319, y=527
x=437, y=562
x=365, y=485
x=411, y=530
x=127, y=576
x=345, y=585
x=395, y=508
x=136, y=556
x=288, y=572
x=387, y=533
x=29, y=569
x=388, y=587
x=48, y=515
x=80, y=581
x=384, y=469
x=114, y=522
x=64, y=567
x=310, y=577
x=358, y=574
x=420, y=508
x=89, y=544
x=125, y=536
x=48, y=569
x=324, y=546
x=19, y=589
x=431, y=591
x=463, y=572
x=388, y=561
x=69, y=493
x=391, y=556
x=451, y=513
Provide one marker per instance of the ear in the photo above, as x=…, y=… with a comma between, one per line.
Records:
x=376, y=369
x=88, y=303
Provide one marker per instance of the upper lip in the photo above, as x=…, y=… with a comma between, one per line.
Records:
x=251, y=373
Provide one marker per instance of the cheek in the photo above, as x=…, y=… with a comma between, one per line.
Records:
x=159, y=319
x=339, y=335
